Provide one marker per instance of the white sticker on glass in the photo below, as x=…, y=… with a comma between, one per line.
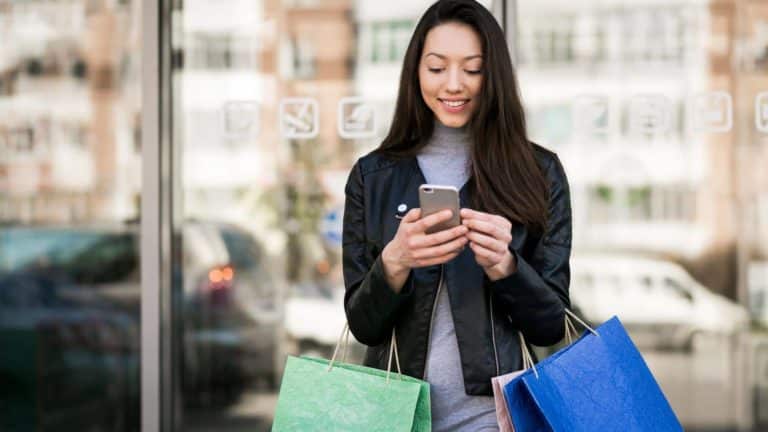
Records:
x=240, y=118
x=299, y=118
x=356, y=118
x=650, y=114
x=591, y=114
x=712, y=112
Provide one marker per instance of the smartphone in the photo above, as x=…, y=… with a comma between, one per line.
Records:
x=435, y=198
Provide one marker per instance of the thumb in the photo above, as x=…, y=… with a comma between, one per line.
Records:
x=412, y=216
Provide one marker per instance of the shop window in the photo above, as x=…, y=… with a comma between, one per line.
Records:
x=761, y=45
x=638, y=35
x=650, y=203
x=389, y=40
x=304, y=59
x=220, y=51
x=554, y=40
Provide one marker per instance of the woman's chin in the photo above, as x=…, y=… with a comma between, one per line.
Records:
x=453, y=121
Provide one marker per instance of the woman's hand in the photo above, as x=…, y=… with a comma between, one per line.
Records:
x=489, y=237
x=412, y=247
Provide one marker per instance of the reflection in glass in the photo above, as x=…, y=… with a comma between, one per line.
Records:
x=270, y=283
x=69, y=191
x=667, y=228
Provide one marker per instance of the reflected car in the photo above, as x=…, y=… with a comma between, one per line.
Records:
x=226, y=294
x=314, y=319
x=65, y=363
x=658, y=301
x=232, y=316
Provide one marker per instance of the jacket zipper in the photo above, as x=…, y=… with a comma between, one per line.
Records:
x=493, y=333
x=431, y=320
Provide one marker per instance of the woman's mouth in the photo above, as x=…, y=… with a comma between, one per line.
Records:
x=455, y=105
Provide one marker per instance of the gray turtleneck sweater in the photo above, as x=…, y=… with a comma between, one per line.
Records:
x=445, y=161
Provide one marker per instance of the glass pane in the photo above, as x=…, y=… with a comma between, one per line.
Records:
x=70, y=182
x=659, y=112
x=273, y=102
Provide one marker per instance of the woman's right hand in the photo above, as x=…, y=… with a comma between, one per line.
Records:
x=412, y=247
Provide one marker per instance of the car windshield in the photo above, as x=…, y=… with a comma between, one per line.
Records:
x=243, y=251
x=24, y=248
x=85, y=256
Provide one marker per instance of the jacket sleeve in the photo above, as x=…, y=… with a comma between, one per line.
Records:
x=536, y=295
x=369, y=302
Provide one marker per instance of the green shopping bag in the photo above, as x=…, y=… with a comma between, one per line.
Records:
x=322, y=395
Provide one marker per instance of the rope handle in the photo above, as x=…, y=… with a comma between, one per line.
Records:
x=393, y=349
x=527, y=358
x=344, y=337
x=570, y=329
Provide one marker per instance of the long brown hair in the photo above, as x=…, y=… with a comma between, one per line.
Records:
x=505, y=176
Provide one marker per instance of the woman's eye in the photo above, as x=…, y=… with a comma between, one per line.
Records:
x=434, y=70
x=473, y=72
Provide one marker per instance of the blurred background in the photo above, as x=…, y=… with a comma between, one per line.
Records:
x=657, y=108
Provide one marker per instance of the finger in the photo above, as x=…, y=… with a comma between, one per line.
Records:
x=474, y=214
x=487, y=256
x=487, y=228
x=487, y=242
x=437, y=260
x=487, y=217
x=413, y=215
x=438, y=237
x=503, y=222
x=426, y=222
x=443, y=249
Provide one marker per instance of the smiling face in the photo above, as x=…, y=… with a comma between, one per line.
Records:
x=450, y=72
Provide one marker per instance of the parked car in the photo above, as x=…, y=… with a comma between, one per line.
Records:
x=233, y=319
x=659, y=302
x=65, y=364
x=225, y=293
x=314, y=319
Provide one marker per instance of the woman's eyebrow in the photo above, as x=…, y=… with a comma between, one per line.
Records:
x=443, y=57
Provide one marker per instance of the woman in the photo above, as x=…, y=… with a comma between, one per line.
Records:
x=458, y=298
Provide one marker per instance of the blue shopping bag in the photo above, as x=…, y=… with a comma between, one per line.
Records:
x=598, y=383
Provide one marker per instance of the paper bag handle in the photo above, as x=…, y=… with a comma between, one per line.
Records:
x=344, y=340
x=570, y=329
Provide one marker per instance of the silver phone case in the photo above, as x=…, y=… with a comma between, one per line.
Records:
x=434, y=198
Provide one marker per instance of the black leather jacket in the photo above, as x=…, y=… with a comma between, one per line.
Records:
x=487, y=315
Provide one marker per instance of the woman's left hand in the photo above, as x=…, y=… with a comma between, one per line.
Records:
x=489, y=237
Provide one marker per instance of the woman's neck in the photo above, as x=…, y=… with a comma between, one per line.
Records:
x=449, y=138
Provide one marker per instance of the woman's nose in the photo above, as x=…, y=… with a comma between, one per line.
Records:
x=454, y=80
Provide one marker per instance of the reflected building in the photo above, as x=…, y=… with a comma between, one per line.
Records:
x=652, y=178
x=232, y=75
x=655, y=168
x=748, y=62
x=66, y=151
